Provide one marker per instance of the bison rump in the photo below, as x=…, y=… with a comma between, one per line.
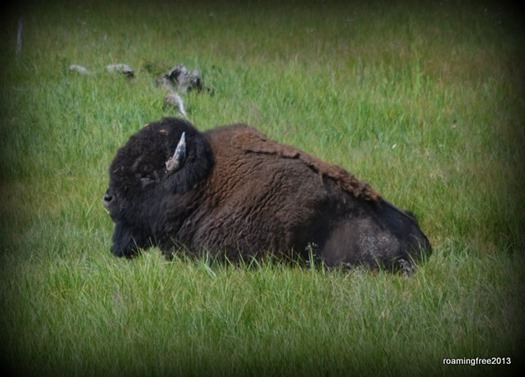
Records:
x=379, y=235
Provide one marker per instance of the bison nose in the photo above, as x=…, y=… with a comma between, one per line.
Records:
x=107, y=199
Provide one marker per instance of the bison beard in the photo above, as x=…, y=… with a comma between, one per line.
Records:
x=234, y=193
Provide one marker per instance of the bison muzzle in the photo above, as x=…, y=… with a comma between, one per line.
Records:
x=235, y=194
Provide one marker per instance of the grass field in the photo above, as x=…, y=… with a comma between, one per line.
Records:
x=422, y=100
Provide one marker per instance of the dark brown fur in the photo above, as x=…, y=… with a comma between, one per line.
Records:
x=251, y=140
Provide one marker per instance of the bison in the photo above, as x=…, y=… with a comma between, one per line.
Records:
x=235, y=194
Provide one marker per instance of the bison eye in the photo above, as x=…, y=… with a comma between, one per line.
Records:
x=145, y=181
x=150, y=178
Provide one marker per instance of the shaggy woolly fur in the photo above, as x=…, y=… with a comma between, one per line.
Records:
x=239, y=195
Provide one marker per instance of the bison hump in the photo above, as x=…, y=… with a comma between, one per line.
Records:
x=252, y=141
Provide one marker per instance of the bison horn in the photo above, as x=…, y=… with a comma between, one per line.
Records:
x=175, y=162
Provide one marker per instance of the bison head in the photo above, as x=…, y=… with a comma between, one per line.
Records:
x=158, y=166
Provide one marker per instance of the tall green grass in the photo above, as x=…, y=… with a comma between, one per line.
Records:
x=422, y=101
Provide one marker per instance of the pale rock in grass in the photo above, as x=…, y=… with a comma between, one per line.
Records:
x=79, y=69
x=173, y=99
x=121, y=68
x=181, y=79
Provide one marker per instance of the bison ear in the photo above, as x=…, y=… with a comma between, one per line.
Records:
x=176, y=161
